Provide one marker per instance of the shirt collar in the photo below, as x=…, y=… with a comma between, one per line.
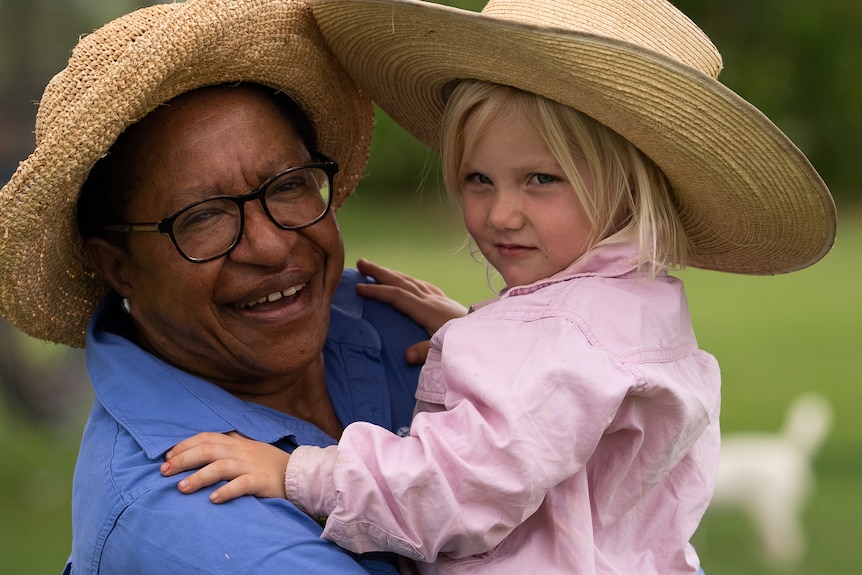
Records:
x=613, y=260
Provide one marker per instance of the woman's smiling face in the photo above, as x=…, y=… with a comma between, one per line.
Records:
x=203, y=317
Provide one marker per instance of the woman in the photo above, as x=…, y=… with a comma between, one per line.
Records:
x=166, y=120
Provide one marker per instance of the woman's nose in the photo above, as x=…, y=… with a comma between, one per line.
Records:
x=262, y=242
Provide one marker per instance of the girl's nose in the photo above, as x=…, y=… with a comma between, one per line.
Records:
x=506, y=210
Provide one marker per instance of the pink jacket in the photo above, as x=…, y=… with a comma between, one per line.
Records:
x=570, y=426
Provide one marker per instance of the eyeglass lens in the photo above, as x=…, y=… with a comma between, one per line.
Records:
x=293, y=199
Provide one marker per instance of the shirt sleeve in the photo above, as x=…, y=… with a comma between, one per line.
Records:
x=164, y=531
x=519, y=418
x=308, y=479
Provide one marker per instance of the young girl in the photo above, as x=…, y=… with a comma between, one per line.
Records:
x=569, y=425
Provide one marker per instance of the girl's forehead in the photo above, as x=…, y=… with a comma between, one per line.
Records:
x=498, y=121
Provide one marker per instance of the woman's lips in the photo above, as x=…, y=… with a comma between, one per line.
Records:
x=275, y=296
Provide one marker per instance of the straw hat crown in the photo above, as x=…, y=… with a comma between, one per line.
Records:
x=116, y=76
x=653, y=24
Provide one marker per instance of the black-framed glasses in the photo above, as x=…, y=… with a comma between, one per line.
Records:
x=211, y=228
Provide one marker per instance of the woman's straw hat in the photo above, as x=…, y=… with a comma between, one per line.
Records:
x=750, y=201
x=115, y=77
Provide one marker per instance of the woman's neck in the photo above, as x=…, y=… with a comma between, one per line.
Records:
x=302, y=395
x=305, y=398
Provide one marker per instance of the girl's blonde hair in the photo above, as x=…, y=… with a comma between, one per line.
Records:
x=629, y=196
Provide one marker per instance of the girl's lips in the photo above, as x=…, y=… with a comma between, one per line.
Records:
x=513, y=250
x=275, y=296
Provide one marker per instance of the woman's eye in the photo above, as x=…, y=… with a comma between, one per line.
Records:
x=287, y=186
x=203, y=216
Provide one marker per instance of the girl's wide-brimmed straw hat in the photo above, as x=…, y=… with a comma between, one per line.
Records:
x=750, y=201
x=115, y=77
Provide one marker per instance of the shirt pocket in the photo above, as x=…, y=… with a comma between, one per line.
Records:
x=432, y=383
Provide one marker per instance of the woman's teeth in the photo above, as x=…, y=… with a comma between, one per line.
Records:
x=273, y=296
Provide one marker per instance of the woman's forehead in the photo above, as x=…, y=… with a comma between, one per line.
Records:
x=222, y=142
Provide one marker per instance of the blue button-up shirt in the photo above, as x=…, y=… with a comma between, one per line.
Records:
x=128, y=519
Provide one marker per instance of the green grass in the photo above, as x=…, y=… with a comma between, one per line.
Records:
x=35, y=495
x=774, y=337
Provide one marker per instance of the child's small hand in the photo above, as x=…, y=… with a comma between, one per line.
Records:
x=424, y=303
x=250, y=467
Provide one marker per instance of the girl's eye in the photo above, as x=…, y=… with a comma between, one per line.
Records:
x=544, y=178
x=477, y=178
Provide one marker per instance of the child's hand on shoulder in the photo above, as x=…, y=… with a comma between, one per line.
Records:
x=423, y=302
x=250, y=467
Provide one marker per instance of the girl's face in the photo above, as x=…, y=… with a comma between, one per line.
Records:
x=519, y=207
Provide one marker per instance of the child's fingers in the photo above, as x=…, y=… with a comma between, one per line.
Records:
x=417, y=353
x=200, y=450
x=380, y=273
x=430, y=310
x=211, y=474
x=406, y=302
x=220, y=470
x=238, y=487
x=192, y=483
x=250, y=467
x=387, y=294
x=201, y=439
x=387, y=276
x=188, y=459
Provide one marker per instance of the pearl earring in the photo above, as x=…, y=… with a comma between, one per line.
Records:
x=126, y=304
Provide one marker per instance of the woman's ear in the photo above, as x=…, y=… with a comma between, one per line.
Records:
x=112, y=263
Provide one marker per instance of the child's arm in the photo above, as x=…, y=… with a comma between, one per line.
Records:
x=424, y=303
x=250, y=467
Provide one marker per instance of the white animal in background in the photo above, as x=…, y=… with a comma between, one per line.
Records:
x=769, y=476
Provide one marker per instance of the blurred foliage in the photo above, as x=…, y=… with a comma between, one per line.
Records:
x=799, y=62
x=796, y=60
x=36, y=39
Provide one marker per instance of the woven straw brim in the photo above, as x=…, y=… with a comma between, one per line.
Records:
x=749, y=200
x=115, y=77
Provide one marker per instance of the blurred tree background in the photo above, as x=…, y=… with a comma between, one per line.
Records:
x=796, y=60
x=799, y=61
x=36, y=38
